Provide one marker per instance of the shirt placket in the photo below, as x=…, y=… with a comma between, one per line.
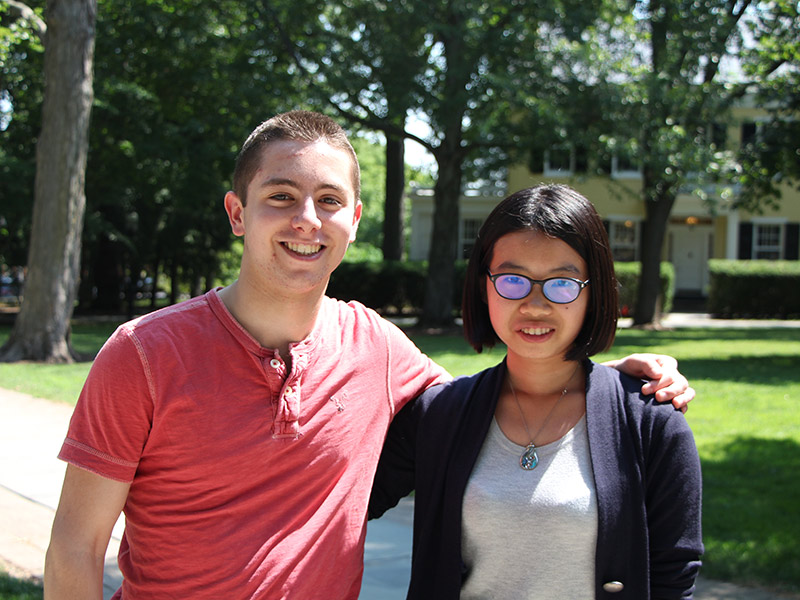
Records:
x=287, y=403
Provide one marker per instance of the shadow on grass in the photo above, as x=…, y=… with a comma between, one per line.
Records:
x=643, y=337
x=751, y=513
x=768, y=370
x=769, y=363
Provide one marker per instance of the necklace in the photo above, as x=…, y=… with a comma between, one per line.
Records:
x=530, y=458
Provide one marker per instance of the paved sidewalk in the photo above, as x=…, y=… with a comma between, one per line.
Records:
x=31, y=432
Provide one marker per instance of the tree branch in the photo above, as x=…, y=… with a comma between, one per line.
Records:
x=373, y=121
x=23, y=12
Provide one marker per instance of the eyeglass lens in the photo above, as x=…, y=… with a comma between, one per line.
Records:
x=557, y=289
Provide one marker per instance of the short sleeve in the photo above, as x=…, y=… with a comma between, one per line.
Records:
x=410, y=371
x=113, y=416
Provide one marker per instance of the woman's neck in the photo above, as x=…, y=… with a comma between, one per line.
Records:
x=541, y=377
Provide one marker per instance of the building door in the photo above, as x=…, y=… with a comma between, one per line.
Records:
x=690, y=247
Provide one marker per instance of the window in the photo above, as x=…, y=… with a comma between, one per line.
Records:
x=581, y=159
x=562, y=161
x=719, y=135
x=767, y=241
x=624, y=238
x=558, y=161
x=469, y=231
x=624, y=164
x=749, y=132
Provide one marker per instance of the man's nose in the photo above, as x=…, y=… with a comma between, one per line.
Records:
x=306, y=217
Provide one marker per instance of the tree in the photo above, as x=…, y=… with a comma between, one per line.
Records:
x=169, y=87
x=773, y=77
x=21, y=87
x=41, y=329
x=363, y=59
x=667, y=77
x=179, y=84
x=451, y=64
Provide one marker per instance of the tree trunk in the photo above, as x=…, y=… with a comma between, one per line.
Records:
x=41, y=329
x=153, y=292
x=173, y=281
x=394, y=216
x=440, y=283
x=658, y=197
x=108, y=276
x=658, y=207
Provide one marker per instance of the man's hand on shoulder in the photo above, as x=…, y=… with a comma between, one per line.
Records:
x=664, y=380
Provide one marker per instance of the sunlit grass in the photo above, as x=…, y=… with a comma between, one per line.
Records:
x=13, y=588
x=62, y=383
x=746, y=421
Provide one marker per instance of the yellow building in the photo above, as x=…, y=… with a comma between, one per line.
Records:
x=694, y=235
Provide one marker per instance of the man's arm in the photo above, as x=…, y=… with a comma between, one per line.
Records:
x=88, y=509
x=664, y=379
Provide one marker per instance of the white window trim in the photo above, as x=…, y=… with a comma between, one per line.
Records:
x=616, y=173
x=759, y=221
x=637, y=231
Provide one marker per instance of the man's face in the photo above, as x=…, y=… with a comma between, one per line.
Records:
x=300, y=216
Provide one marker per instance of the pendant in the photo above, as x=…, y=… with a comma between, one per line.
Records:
x=529, y=458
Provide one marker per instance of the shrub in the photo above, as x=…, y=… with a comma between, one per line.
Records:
x=392, y=287
x=628, y=277
x=754, y=288
x=387, y=286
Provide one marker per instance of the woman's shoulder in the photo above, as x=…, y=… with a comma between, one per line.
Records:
x=627, y=391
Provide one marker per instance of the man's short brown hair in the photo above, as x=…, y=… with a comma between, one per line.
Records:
x=296, y=125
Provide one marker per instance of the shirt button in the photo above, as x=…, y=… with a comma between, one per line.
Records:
x=613, y=586
x=274, y=363
x=288, y=391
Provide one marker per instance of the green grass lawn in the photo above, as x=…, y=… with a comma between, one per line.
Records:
x=62, y=383
x=12, y=588
x=746, y=421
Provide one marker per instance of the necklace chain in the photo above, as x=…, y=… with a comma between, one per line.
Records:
x=530, y=458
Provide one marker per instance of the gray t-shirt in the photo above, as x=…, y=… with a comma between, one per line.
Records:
x=531, y=534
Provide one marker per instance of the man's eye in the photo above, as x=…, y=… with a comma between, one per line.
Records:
x=281, y=197
x=330, y=200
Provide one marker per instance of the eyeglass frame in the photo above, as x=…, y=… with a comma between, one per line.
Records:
x=493, y=279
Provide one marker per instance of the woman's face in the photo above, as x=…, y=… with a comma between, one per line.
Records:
x=534, y=327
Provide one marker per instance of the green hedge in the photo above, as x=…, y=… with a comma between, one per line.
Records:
x=399, y=286
x=392, y=287
x=754, y=288
x=628, y=277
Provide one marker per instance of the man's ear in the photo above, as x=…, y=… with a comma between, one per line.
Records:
x=356, y=220
x=235, y=209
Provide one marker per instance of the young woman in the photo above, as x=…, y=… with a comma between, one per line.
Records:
x=547, y=476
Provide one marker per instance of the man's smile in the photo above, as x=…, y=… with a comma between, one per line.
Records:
x=304, y=249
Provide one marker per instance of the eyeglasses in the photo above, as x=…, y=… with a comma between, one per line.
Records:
x=560, y=290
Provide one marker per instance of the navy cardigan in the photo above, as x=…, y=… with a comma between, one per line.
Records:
x=646, y=471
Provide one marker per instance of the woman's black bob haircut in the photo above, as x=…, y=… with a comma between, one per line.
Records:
x=562, y=213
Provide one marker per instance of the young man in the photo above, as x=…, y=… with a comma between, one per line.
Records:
x=240, y=431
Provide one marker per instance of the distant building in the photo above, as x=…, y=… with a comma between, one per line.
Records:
x=694, y=234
